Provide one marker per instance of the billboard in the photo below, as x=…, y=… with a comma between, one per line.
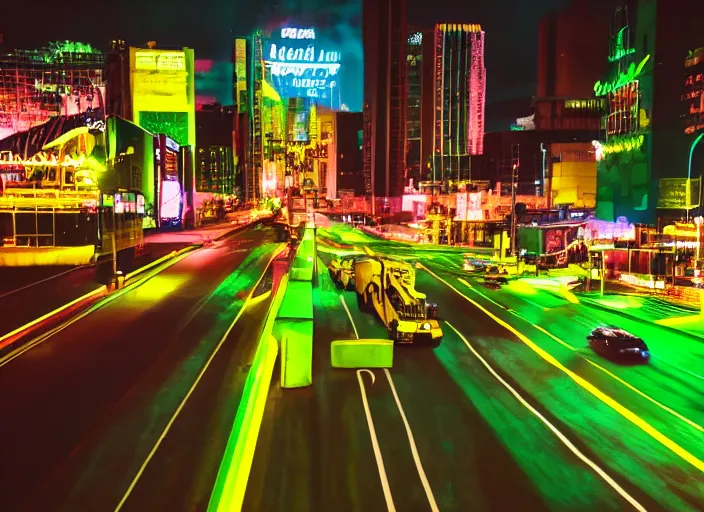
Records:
x=241, y=71
x=678, y=193
x=319, y=56
x=693, y=96
x=163, y=92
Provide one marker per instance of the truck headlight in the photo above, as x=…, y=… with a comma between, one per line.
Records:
x=425, y=326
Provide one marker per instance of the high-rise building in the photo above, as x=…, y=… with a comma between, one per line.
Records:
x=460, y=86
x=646, y=156
x=385, y=39
x=414, y=88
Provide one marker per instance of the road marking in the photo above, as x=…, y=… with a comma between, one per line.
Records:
x=414, y=448
x=349, y=314
x=616, y=377
x=180, y=407
x=465, y=283
x=596, y=365
x=620, y=490
x=586, y=385
x=375, y=441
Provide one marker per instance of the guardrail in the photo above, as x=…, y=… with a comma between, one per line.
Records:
x=233, y=474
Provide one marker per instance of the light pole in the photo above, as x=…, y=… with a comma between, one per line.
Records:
x=689, y=170
x=514, y=218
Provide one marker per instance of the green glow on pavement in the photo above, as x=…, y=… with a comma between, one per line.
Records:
x=233, y=474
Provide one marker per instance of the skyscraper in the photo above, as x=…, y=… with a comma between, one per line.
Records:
x=385, y=39
x=460, y=86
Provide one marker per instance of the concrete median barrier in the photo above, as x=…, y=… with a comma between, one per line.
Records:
x=369, y=353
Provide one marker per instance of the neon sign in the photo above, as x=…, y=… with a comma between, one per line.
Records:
x=297, y=33
x=620, y=51
x=41, y=159
x=618, y=146
x=160, y=60
x=633, y=72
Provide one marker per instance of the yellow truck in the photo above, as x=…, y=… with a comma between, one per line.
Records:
x=388, y=287
x=342, y=272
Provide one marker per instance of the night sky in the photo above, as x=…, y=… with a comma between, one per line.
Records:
x=209, y=27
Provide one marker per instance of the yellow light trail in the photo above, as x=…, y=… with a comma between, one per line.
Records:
x=586, y=385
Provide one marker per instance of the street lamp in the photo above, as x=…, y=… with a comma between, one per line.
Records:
x=689, y=170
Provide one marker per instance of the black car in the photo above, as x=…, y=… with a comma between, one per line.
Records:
x=617, y=344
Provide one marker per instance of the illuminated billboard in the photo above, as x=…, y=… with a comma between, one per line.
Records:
x=163, y=92
x=319, y=57
x=693, y=96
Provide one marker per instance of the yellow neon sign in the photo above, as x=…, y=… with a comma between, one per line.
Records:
x=41, y=159
x=159, y=60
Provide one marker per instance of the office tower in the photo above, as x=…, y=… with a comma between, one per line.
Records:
x=460, y=85
x=385, y=39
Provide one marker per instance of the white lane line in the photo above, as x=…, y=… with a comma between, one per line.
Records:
x=180, y=407
x=349, y=314
x=375, y=441
x=414, y=448
x=614, y=485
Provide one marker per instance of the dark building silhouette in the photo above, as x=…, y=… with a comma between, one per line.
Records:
x=571, y=48
x=385, y=39
x=215, y=163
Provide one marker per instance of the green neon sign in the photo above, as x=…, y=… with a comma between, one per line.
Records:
x=620, y=50
x=633, y=72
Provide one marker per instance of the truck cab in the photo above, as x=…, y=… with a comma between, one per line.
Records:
x=387, y=287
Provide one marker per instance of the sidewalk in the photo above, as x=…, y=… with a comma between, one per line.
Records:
x=647, y=309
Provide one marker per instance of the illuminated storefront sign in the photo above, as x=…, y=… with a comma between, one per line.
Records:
x=160, y=60
x=678, y=193
x=618, y=145
x=693, y=96
x=299, y=68
x=297, y=33
x=41, y=159
x=633, y=72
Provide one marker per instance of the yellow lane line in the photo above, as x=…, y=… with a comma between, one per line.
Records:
x=586, y=385
x=562, y=437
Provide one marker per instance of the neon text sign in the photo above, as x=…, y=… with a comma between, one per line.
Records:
x=633, y=72
x=297, y=33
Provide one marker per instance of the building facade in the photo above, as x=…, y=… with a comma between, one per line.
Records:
x=385, y=42
x=215, y=162
x=459, y=89
x=644, y=172
x=62, y=79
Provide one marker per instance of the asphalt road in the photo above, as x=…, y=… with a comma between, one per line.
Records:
x=562, y=430
x=84, y=410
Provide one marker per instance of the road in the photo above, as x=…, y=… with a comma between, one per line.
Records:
x=511, y=411
x=86, y=412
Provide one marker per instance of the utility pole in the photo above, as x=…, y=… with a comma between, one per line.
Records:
x=516, y=161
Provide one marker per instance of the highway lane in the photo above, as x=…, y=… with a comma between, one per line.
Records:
x=87, y=406
x=476, y=443
x=624, y=450
x=667, y=391
x=643, y=461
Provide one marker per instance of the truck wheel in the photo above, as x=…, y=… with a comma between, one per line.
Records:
x=436, y=343
x=351, y=285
